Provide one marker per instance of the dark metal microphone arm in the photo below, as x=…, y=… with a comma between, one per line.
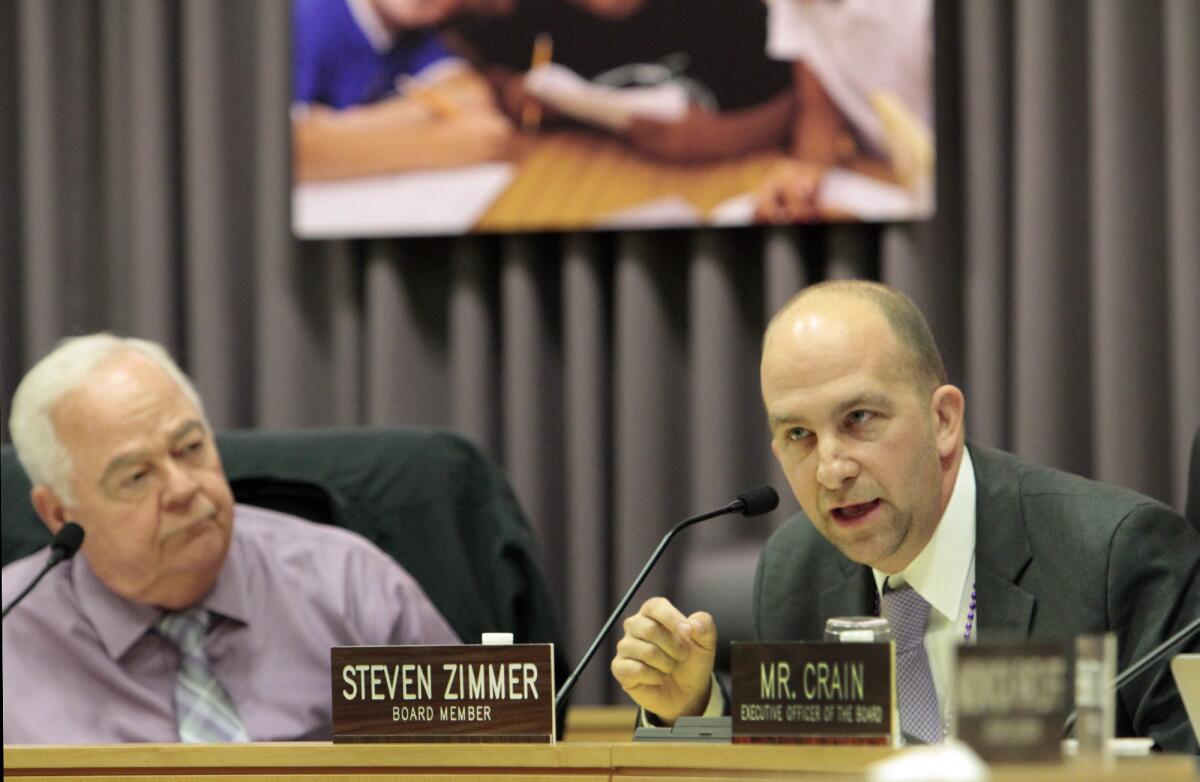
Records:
x=560, y=700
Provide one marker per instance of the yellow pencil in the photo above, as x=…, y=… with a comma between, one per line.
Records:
x=531, y=111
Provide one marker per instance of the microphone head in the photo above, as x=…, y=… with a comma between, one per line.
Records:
x=68, y=540
x=757, y=501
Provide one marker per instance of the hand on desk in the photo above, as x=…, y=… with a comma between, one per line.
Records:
x=398, y=134
x=665, y=660
x=467, y=91
x=789, y=192
x=471, y=137
x=695, y=137
x=702, y=135
x=434, y=123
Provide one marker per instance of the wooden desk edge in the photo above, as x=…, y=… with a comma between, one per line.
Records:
x=303, y=754
x=756, y=757
x=571, y=759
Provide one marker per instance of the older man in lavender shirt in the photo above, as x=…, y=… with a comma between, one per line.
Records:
x=113, y=437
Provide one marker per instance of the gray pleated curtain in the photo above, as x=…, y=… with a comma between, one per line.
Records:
x=144, y=162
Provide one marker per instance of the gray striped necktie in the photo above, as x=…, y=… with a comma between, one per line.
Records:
x=203, y=710
x=908, y=613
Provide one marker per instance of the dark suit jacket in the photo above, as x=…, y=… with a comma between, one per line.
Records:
x=1056, y=555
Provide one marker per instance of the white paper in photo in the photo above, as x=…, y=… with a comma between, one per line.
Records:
x=442, y=201
x=612, y=108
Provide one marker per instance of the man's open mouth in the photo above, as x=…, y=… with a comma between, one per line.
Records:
x=850, y=513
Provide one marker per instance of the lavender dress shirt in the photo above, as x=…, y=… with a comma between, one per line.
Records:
x=83, y=666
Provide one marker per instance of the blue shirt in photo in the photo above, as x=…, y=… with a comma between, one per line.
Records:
x=335, y=65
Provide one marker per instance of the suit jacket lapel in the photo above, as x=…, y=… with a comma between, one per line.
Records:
x=1001, y=548
x=854, y=596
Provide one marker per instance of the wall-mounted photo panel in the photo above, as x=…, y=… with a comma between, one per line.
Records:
x=460, y=116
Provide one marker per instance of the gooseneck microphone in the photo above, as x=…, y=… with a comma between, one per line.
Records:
x=754, y=502
x=1155, y=655
x=63, y=547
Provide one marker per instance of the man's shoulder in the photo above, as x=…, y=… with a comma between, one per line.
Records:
x=798, y=551
x=49, y=618
x=20, y=573
x=1049, y=491
x=274, y=532
x=314, y=569
x=18, y=569
x=796, y=532
x=1064, y=518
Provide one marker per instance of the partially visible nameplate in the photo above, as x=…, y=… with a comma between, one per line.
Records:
x=813, y=693
x=1011, y=700
x=443, y=693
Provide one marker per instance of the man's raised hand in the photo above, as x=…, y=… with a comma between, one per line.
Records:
x=665, y=660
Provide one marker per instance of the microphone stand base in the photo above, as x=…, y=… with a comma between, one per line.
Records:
x=706, y=730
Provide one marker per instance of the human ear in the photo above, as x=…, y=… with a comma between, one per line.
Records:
x=49, y=507
x=947, y=408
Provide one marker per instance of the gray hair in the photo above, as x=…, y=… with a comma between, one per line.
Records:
x=63, y=370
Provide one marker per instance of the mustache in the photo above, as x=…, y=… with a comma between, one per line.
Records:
x=209, y=514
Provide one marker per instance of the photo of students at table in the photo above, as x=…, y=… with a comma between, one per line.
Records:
x=612, y=113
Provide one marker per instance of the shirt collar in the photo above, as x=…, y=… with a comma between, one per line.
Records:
x=120, y=622
x=230, y=596
x=371, y=25
x=939, y=572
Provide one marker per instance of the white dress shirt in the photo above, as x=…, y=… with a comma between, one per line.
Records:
x=944, y=574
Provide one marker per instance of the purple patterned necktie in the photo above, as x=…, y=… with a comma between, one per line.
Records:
x=203, y=709
x=908, y=613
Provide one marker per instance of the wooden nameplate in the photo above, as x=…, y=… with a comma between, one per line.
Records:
x=443, y=693
x=813, y=693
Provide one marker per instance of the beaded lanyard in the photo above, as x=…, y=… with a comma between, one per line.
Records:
x=970, y=626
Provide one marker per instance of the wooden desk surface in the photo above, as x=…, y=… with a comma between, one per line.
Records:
x=574, y=179
x=561, y=180
x=326, y=762
x=578, y=179
x=608, y=724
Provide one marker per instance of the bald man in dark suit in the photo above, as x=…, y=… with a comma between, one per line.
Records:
x=870, y=436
